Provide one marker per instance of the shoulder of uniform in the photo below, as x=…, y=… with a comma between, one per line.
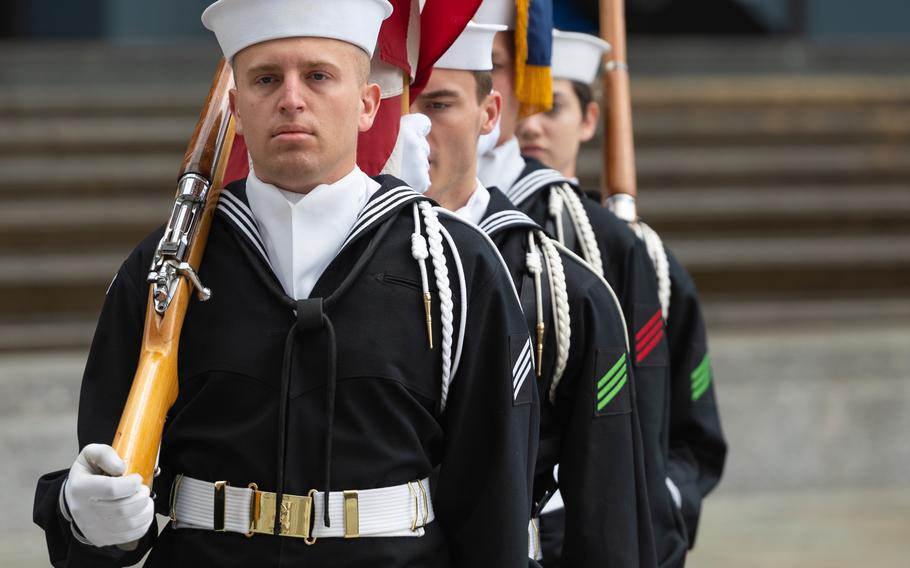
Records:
x=466, y=235
x=145, y=250
x=582, y=277
x=135, y=268
x=607, y=225
x=532, y=180
x=475, y=249
x=505, y=220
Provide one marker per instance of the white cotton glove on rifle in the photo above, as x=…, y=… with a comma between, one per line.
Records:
x=412, y=152
x=106, y=506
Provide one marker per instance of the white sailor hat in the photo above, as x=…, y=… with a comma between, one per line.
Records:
x=241, y=23
x=576, y=56
x=496, y=12
x=473, y=50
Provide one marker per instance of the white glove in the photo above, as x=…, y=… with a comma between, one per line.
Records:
x=414, y=150
x=107, y=507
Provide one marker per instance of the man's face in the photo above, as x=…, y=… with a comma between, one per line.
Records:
x=300, y=104
x=554, y=137
x=504, y=83
x=458, y=118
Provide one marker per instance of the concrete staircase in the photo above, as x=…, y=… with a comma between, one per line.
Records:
x=777, y=186
x=768, y=186
x=91, y=137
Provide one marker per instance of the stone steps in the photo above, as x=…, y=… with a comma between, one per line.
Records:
x=101, y=100
x=712, y=166
x=80, y=223
x=94, y=135
x=105, y=175
x=56, y=283
x=47, y=331
x=755, y=211
x=747, y=90
x=767, y=124
x=770, y=265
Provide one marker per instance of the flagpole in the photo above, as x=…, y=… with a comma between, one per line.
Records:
x=405, y=93
x=619, y=150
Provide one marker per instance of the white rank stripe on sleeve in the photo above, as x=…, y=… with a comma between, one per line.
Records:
x=522, y=369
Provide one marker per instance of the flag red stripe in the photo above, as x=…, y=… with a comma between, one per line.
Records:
x=375, y=145
x=392, y=43
x=441, y=22
x=238, y=166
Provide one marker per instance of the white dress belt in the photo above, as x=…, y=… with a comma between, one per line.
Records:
x=399, y=511
x=534, y=548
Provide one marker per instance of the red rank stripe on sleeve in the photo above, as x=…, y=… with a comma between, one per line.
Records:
x=648, y=337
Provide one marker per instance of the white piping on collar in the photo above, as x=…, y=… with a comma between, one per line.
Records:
x=378, y=207
x=527, y=186
x=504, y=219
x=238, y=213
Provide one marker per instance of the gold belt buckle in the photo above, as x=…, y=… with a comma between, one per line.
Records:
x=351, y=514
x=295, y=518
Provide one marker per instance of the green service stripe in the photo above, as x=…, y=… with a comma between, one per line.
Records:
x=603, y=391
x=705, y=363
x=700, y=376
x=604, y=379
x=700, y=380
x=605, y=401
x=698, y=391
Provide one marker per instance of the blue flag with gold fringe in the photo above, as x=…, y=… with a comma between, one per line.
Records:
x=533, y=50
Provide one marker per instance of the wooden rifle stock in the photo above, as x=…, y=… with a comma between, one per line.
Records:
x=619, y=149
x=155, y=383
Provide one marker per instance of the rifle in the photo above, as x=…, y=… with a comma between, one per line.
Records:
x=173, y=279
x=619, y=186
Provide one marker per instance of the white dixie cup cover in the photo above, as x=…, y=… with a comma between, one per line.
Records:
x=107, y=507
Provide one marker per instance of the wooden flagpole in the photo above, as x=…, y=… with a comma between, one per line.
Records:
x=619, y=150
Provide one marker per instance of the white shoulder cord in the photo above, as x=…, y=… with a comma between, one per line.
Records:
x=437, y=255
x=420, y=254
x=658, y=255
x=623, y=206
x=461, y=280
x=583, y=228
x=535, y=267
x=554, y=207
x=561, y=318
x=463, y=295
